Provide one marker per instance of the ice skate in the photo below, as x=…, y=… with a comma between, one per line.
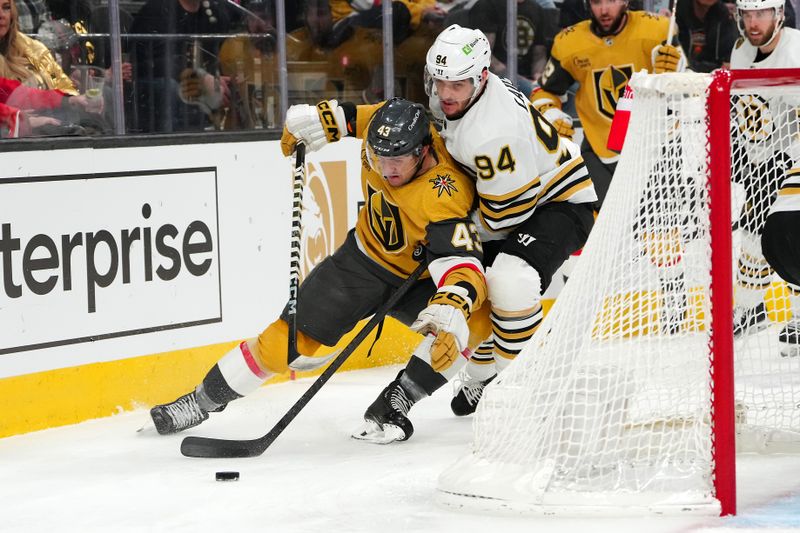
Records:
x=183, y=413
x=750, y=321
x=468, y=392
x=789, y=337
x=386, y=419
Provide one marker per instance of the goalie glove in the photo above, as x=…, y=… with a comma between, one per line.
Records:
x=316, y=126
x=667, y=58
x=561, y=121
x=446, y=318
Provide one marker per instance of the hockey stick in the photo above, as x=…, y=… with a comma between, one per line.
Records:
x=297, y=361
x=210, y=447
x=298, y=181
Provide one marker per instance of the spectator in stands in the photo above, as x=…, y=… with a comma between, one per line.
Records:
x=21, y=108
x=601, y=54
x=177, y=78
x=574, y=11
x=490, y=16
x=32, y=13
x=707, y=32
x=343, y=56
x=25, y=59
x=251, y=64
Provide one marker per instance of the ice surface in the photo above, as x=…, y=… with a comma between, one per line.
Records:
x=103, y=476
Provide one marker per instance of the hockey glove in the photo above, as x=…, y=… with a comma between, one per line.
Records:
x=667, y=58
x=198, y=87
x=561, y=121
x=445, y=317
x=316, y=126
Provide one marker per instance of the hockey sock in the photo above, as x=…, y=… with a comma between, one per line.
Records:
x=754, y=274
x=237, y=374
x=482, y=365
x=420, y=380
x=512, y=330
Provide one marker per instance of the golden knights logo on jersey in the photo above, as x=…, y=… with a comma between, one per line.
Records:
x=384, y=221
x=609, y=86
x=443, y=185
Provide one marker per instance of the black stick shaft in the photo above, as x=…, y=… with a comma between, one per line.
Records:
x=208, y=447
x=298, y=181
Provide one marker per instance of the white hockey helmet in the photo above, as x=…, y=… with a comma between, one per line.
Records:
x=752, y=5
x=457, y=54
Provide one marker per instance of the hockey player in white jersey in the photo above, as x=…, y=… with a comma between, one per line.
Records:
x=767, y=171
x=534, y=192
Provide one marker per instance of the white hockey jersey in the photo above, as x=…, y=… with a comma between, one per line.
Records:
x=768, y=123
x=785, y=55
x=771, y=116
x=516, y=157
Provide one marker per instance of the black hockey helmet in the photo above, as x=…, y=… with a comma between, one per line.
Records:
x=398, y=128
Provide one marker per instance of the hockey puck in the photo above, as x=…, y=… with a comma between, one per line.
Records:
x=227, y=476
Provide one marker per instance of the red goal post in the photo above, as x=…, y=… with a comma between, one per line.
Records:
x=633, y=393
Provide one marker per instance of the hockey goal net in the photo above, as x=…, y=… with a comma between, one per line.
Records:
x=631, y=395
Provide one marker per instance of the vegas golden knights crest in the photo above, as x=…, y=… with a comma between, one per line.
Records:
x=384, y=221
x=609, y=85
x=324, y=212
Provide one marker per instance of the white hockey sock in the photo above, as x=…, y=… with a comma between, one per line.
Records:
x=241, y=370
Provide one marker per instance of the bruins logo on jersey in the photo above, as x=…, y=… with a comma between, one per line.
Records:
x=753, y=117
x=525, y=35
x=384, y=221
x=609, y=85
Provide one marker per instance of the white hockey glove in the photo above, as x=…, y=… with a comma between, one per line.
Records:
x=667, y=58
x=198, y=87
x=363, y=5
x=446, y=317
x=561, y=121
x=316, y=126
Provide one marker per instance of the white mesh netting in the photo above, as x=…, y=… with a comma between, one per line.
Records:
x=609, y=406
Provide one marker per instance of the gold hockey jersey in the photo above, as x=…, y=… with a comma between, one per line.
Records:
x=342, y=8
x=433, y=208
x=602, y=66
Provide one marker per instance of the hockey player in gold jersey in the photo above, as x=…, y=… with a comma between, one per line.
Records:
x=601, y=54
x=414, y=194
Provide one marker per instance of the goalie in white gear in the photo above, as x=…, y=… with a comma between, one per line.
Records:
x=535, y=195
x=768, y=171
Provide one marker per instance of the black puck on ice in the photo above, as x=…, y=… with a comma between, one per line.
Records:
x=227, y=476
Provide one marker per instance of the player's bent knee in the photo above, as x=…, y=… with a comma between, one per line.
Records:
x=513, y=283
x=480, y=325
x=271, y=348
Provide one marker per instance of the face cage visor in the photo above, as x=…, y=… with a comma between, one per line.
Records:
x=400, y=165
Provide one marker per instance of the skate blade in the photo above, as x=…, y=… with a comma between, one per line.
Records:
x=148, y=427
x=790, y=350
x=372, y=432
